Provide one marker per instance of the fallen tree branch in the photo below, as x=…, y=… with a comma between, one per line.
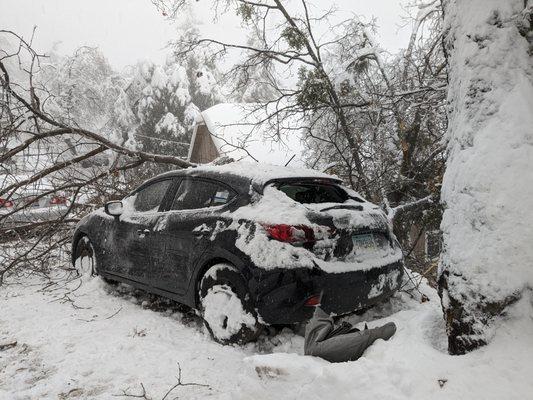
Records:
x=66, y=129
x=6, y=346
x=395, y=211
x=180, y=383
x=142, y=395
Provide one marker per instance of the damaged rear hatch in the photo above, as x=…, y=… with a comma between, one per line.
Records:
x=343, y=231
x=313, y=236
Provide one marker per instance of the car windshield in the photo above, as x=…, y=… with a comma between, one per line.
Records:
x=313, y=193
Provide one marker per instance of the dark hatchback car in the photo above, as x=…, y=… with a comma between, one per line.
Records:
x=247, y=245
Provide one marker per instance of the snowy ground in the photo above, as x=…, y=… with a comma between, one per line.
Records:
x=100, y=342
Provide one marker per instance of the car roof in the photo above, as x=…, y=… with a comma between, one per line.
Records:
x=247, y=173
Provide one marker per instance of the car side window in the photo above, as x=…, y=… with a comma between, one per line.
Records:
x=193, y=194
x=150, y=197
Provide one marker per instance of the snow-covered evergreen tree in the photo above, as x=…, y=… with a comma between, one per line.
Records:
x=167, y=98
x=487, y=262
x=83, y=86
x=84, y=91
x=164, y=110
x=200, y=67
x=257, y=82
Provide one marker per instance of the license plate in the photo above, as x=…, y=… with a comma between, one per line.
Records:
x=364, y=243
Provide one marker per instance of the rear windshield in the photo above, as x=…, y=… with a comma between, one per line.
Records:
x=313, y=193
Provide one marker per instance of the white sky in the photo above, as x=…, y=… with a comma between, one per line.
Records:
x=129, y=30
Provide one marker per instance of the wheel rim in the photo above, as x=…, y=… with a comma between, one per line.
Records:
x=224, y=313
x=85, y=260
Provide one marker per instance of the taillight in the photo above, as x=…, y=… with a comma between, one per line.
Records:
x=58, y=200
x=6, y=203
x=290, y=233
x=313, y=301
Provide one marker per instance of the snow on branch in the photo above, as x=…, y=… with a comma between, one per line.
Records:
x=393, y=212
x=50, y=157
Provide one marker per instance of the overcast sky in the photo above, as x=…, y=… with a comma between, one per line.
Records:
x=129, y=30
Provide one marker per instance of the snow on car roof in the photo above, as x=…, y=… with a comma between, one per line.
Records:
x=258, y=173
x=261, y=172
x=237, y=132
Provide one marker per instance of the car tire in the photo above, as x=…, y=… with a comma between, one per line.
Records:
x=85, y=258
x=226, y=307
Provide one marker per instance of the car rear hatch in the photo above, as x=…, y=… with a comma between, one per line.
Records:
x=355, y=232
x=344, y=228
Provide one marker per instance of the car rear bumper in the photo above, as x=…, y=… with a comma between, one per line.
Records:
x=280, y=294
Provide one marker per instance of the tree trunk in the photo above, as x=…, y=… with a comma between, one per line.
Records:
x=487, y=261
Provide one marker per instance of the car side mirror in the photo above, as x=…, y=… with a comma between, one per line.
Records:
x=114, y=208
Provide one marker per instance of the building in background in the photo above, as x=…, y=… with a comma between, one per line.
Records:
x=239, y=131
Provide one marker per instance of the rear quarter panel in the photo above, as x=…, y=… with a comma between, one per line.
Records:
x=96, y=226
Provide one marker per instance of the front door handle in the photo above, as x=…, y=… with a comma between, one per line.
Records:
x=143, y=232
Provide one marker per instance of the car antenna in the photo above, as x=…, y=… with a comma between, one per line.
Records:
x=290, y=159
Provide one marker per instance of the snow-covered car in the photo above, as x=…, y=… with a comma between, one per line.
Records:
x=27, y=207
x=246, y=245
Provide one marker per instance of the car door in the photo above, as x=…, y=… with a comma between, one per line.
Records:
x=185, y=230
x=132, y=238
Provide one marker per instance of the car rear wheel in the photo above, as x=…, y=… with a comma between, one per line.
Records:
x=85, y=258
x=226, y=307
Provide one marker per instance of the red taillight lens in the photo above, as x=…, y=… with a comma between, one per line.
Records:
x=313, y=301
x=58, y=200
x=290, y=233
x=281, y=232
x=6, y=203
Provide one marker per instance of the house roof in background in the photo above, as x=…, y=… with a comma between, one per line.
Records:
x=238, y=131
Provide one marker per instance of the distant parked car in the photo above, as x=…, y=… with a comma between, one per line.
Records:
x=247, y=245
x=28, y=206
